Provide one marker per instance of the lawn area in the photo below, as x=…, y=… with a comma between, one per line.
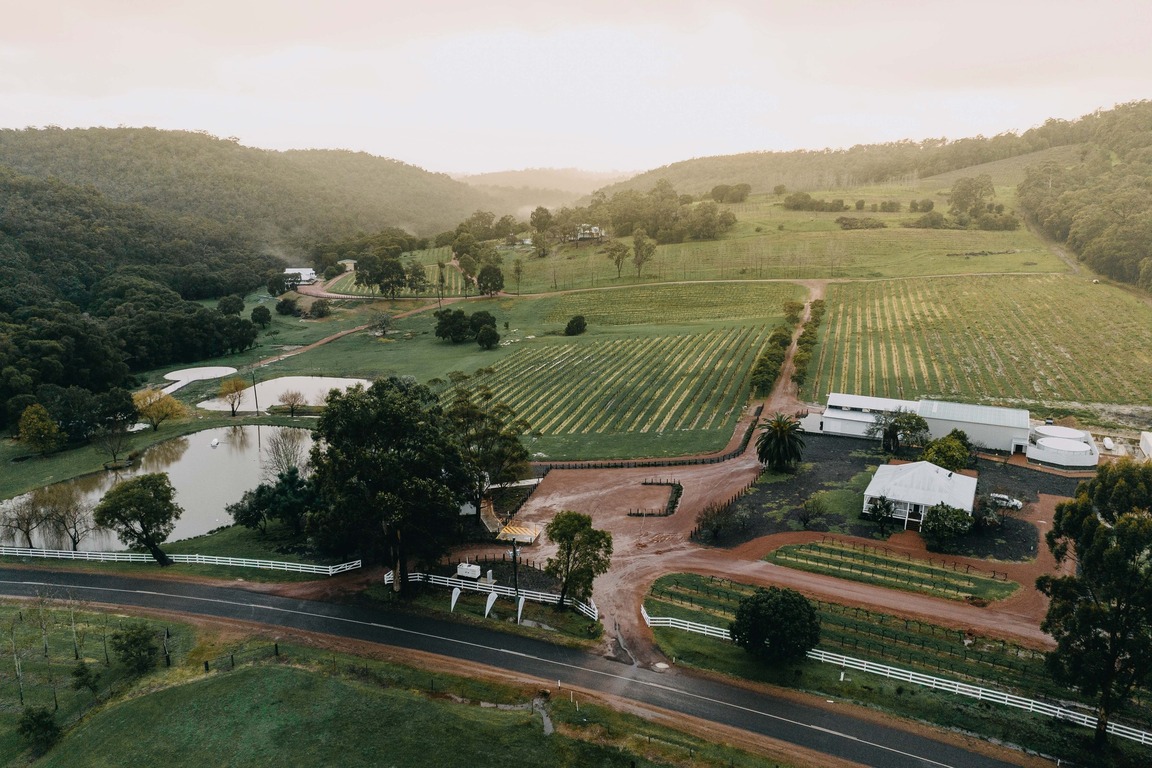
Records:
x=1012, y=340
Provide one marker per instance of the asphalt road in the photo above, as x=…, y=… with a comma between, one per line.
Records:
x=825, y=731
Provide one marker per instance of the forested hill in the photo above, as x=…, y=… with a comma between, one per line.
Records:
x=1101, y=206
x=283, y=198
x=808, y=170
x=91, y=289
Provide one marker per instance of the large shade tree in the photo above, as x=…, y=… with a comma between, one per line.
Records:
x=898, y=428
x=582, y=553
x=389, y=475
x=142, y=511
x=1101, y=617
x=776, y=624
x=780, y=444
x=489, y=435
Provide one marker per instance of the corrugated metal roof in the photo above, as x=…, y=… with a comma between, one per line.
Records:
x=923, y=483
x=861, y=402
x=974, y=414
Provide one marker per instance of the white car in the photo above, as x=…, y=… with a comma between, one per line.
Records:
x=1004, y=500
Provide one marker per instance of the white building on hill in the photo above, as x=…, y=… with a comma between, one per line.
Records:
x=307, y=274
x=915, y=488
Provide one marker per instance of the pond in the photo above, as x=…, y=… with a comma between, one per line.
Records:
x=314, y=390
x=209, y=470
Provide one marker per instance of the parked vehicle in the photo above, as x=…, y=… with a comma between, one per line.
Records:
x=1004, y=500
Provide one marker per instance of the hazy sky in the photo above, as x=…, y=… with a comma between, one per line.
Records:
x=468, y=85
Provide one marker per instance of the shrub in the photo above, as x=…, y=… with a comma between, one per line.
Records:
x=576, y=326
x=38, y=727
x=135, y=647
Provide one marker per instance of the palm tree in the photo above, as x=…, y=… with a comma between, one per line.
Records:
x=780, y=445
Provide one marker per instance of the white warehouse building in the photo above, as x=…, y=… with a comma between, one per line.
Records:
x=997, y=429
x=994, y=428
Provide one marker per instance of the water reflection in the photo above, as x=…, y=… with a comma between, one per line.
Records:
x=208, y=469
x=163, y=455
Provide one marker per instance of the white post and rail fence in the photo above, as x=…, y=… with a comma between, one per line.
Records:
x=916, y=678
x=588, y=609
x=136, y=557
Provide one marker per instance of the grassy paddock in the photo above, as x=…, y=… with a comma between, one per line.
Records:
x=894, y=572
x=302, y=707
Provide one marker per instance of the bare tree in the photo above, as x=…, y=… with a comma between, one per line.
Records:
x=21, y=517
x=67, y=514
x=292, y=399
x=286, y=450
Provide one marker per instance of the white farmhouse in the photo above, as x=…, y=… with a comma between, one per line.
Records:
x=307, y=274
x=915, y=488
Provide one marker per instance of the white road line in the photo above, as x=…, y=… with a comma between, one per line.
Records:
x=610, y=675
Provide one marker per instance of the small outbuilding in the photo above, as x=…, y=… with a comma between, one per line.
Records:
x=915, y=488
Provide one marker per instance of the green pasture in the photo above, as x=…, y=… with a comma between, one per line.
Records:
x=1007, y=339
x=295, y=706
x=810, y=246
x=47, y=637
x=846, y=562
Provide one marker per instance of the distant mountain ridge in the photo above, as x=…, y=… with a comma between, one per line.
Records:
x=570, y=180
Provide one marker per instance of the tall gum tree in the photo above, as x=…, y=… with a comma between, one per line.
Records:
x=1101, y=617
x=143, y=511
x=389, y=475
